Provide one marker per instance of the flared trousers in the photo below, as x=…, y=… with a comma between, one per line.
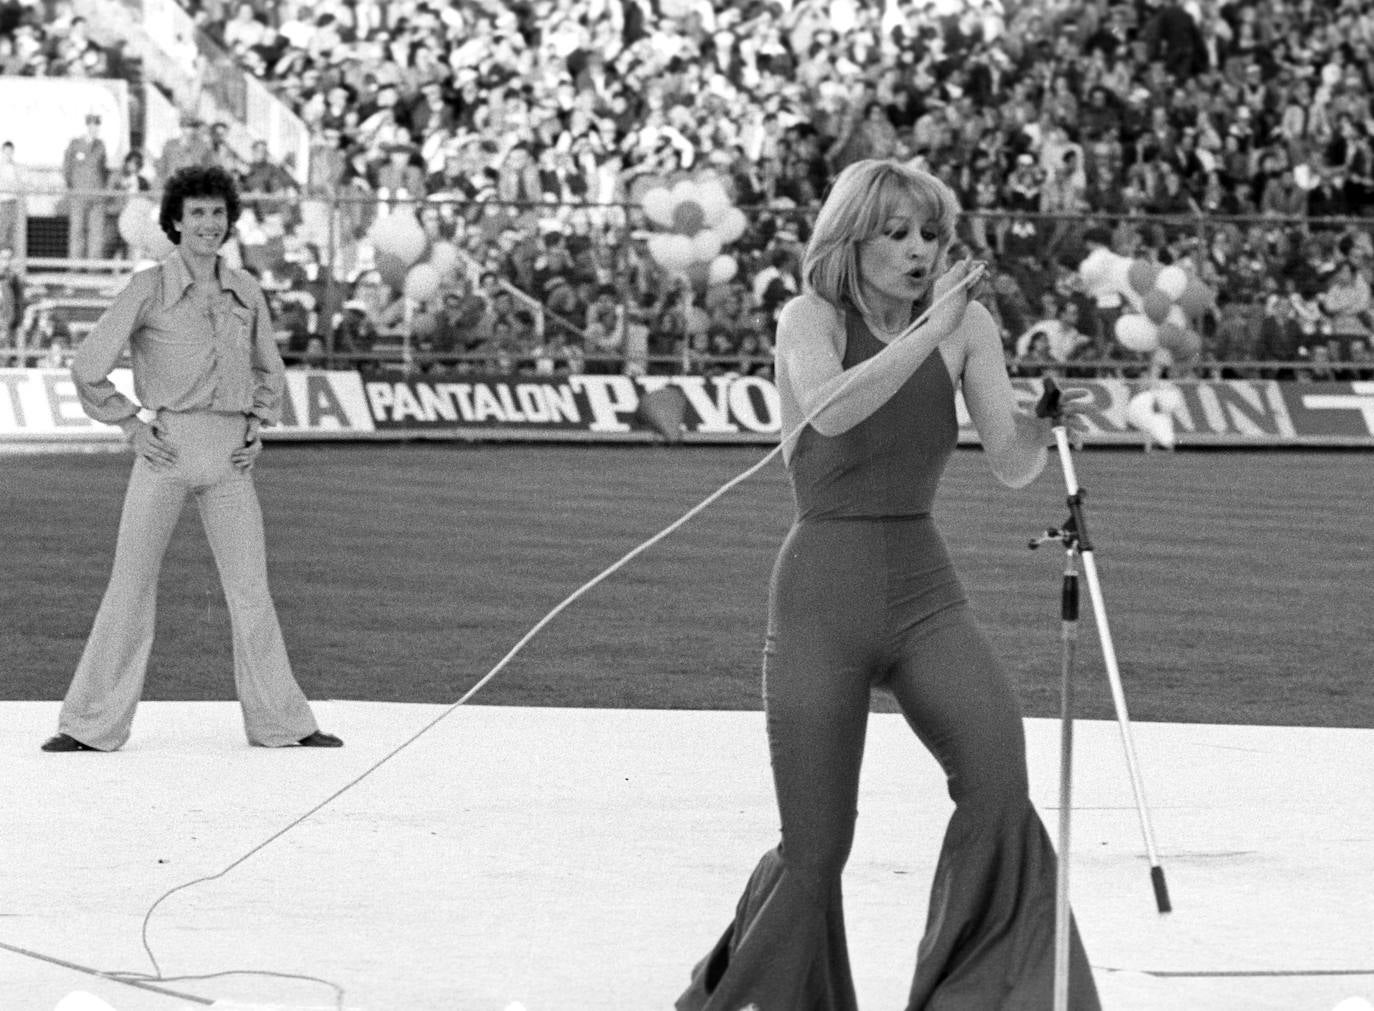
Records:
x=99, y=706
x=858, y=605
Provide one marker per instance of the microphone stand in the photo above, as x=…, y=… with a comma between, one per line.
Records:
x=1073, y=534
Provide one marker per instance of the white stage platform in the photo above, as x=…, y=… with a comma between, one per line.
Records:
x=582, y=860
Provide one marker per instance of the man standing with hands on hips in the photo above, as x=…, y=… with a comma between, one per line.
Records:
x=205, y=362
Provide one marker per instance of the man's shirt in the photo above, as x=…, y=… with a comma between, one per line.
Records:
x=188, y=353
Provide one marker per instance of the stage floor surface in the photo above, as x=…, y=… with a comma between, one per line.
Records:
x=571, y=859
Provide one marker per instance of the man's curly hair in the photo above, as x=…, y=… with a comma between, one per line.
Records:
x=197, y=181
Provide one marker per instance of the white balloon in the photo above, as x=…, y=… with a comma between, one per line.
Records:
x=723, y=268
x=400, y=234
x=1137, y=333
x=1171, y=280
x=705, y=245
x=672, y=251
x=658, y=206
x=1168, y=398
x=422, y=282
x=685, y=190
x=1177, y=317
x=1142, y=414
x=714, y=200
x=732, y=225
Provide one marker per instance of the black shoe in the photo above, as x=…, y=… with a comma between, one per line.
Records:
x=66, y=742
x=319, y=739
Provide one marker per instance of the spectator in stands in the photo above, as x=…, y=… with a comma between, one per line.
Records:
x=44, y=328
x=1221, y=102
x=400, y=179
x=1058, y=326
x=1237, y=337
x=11, y=193
x=189, y=146
x=85, y=172
x=1281, y=336
x=11, y=300
x=457, y=328
x=265, y=180
x=1346, y=303
x=604, y=327
x=327, y=162
x=1361, y=360
x=355, y=333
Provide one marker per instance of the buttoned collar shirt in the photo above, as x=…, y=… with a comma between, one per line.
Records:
x=191, y=349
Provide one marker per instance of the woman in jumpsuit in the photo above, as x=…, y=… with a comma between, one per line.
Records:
x=863, y=597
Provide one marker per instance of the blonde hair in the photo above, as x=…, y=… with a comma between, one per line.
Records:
x=864, y=197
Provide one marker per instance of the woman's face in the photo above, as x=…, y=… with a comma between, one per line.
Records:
x=901, y=262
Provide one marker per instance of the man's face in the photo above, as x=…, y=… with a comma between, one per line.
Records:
x=203, y=225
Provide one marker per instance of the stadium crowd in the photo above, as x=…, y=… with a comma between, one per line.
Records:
x=1229, y=136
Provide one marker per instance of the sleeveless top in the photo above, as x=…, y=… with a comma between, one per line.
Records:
x=889, y=464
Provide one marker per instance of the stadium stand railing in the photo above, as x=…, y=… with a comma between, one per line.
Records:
x=321, y=257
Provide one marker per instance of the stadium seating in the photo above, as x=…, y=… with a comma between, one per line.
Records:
x=1231, y=137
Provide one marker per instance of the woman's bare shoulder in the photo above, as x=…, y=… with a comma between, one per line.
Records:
x=808, y=314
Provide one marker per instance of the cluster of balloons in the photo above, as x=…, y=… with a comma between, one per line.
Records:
x=1168, y=303
x=140, y=231
x=408, y=261
x=698, y=221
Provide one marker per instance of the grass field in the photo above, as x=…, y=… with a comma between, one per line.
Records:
x=1239, y=586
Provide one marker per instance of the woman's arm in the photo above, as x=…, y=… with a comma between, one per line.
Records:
x=810, y=357
x=1013, y=439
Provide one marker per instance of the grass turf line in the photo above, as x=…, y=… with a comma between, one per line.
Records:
x=1236, y=583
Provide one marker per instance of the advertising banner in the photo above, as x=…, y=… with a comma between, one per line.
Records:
x=40, y=406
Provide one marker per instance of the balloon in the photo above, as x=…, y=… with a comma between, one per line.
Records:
x=732, y=225
x=688, y=217
x=706, y=245
x=1137, y=333
x=1176, y=317
x=714, y=200
x=1196, y=297
x=134, y=222
x=1179, y=340
x=1156, y=305
x=685, y=190
x=658, y=206
x=155, y=242
x=1141, y=274
x=444, y=256
x=723, y=268
x=642, y=186
x=422, y=282
x=671, y=251
x=1142, y=414
x=1168, y=398
x=1171, y=280
x=663, y=410
x=392, y=269
x=696, y=319
x=1094, y=270
x=400, y=234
